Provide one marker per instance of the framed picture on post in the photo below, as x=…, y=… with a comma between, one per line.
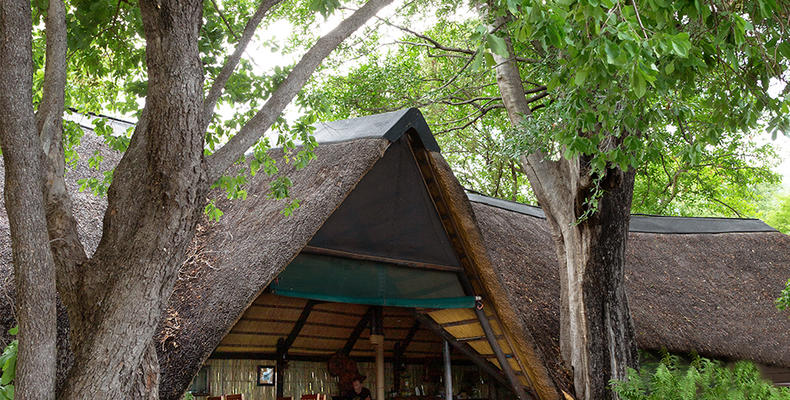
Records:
x=266, y=375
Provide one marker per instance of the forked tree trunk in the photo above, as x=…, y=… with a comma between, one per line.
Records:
x=596, y=330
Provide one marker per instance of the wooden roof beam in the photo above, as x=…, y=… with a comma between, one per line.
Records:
x=401, y=346
x=284, y=344
x=361, y=325
x=367, y=257
x=465, y=349
x=515, y=383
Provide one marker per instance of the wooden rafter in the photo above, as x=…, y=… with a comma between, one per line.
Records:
x=284, y=345
x=402, y=345
x=366, y=257
x=465, y=349
x=361, y=325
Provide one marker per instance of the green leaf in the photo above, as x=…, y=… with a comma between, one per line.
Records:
x=9, y=373
x=489, y=59
x=477, y=62
x=612, y=52
x=581, y=76
x=681, y=44
x=784, y=49
x=497, y=45
x=638, y=84
x=670, y=68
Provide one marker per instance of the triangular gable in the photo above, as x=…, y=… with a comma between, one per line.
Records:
x=389, y=214
x=384, y=245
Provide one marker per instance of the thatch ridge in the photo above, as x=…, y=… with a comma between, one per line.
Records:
x=709, y=293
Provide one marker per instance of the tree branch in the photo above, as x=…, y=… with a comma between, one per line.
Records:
x=728, y=206
x=222, y=16
x=545, y=175
x=67, y=250
x=265, y=117
x=210, y=102
x=435, y=44
x=34, y=270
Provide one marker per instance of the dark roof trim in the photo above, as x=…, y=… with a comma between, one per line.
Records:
x=390, y=126
x=649, y=223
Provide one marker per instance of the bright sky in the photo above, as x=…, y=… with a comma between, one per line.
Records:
x=781, y=143
x=782, y=146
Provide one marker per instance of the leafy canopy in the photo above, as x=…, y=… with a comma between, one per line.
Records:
x=588, y=66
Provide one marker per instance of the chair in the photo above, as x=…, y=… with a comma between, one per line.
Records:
x=216, y=398
x=234, y=397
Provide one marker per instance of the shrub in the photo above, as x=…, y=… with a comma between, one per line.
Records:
x=8, y=364
x=703, y=379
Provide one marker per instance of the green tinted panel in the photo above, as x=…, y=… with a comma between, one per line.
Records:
x=367, y=282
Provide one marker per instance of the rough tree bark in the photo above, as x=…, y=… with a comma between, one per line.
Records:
x=34, y=270
x=597, y=334
x=115, y=297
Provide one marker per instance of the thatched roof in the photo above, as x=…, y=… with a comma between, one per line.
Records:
x=233, y=260
x=707, y=292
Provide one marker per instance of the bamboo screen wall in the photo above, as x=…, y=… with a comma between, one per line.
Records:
x=302, y=377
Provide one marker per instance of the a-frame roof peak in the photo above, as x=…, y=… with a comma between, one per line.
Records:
x=390, y=126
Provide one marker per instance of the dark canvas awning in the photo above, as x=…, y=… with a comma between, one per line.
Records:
x=344, y=280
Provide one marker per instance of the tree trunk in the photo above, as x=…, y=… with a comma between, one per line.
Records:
x=597, y=336
x=34, y=270
x=596, y=330
x=154, y=204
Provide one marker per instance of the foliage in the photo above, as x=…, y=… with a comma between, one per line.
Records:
x=694, y=157
x=8, y=364
x=783, y=302
x=628, y=83
x=778, y=216
x=701, y=379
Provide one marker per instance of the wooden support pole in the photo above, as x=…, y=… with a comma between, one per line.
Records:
x=396, y=369
x=515, y=383
x=377, y=339
x=448, y=372
x=279, y=379
x=379, y=343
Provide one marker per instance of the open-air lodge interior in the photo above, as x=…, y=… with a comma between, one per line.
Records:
x=391, y=271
